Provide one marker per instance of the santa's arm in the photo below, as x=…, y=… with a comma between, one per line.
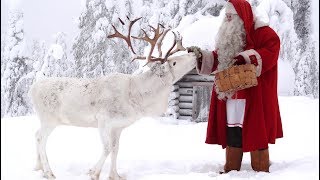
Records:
x=208, y=63
x=269, y=53
x=265, y=57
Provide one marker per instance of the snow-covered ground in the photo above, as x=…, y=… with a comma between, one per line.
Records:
x=162, y=148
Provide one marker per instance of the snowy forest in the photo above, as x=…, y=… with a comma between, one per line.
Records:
x=91, y=54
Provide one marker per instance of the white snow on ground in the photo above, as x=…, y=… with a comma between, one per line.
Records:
x=162, y=148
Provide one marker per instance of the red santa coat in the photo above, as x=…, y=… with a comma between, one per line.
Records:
x=262, y=122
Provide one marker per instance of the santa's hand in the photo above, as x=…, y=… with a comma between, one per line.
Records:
x=239, y=60
x=196, y=50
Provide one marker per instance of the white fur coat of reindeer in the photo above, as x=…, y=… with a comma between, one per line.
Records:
x=109, y=103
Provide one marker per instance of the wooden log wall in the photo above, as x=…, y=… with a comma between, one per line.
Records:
x=190, y=97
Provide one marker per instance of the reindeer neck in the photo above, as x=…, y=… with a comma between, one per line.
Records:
x=153, y=79
x=149, y=93
x=150, y=81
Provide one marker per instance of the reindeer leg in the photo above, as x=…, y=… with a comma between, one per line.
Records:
x=42, y=137
x=114, y=146
x=38, y=163
x=96, y=170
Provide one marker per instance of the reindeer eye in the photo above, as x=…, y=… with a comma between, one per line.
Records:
x=174, y=63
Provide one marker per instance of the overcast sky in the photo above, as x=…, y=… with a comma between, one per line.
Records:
x=44, y=18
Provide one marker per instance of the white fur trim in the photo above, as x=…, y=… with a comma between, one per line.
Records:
x=260, y=17
x=207, y=63
x=259, y=60
x=230, y=8
x=246, y=55
x=259, y=67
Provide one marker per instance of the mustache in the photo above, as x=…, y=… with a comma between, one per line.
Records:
x=230, y=40
x=235, y=25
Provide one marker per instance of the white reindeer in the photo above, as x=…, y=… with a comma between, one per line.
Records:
x=109, y=103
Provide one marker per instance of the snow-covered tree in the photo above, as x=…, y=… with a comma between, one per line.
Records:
x=96, y=55
x=90, y=45
x=307, y=65
x=291, y=20
x=281, y=20
x=171, y=12
x=3, y=62
x=307, y=73
x=3, y=65
x=38, y=52
x=17, y=65
x=56, y=63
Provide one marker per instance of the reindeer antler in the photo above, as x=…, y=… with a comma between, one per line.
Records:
x=159, y=34
x=126, y=38
x=152, y=41
x=157, y=41
x=179, y=47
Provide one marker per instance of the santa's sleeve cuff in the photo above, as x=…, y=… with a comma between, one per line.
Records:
x=205, y=67
x=251, y=56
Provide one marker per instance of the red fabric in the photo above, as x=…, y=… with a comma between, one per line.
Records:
x=244, y=11
x=253, y=60
x=215, y=64
x=240, y=60
x=262, y=122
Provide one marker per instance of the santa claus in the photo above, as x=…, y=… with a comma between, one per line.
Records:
x=246, y=120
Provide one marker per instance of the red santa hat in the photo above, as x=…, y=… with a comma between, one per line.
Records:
x=229, y=8
x=244, y=11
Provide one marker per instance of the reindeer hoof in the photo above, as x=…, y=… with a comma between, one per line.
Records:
x=49, y=175
x=117, y=178
x=93, y=175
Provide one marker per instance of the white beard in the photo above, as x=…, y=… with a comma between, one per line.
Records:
x=230, y=41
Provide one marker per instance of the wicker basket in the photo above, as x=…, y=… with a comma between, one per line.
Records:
x=236, y=78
